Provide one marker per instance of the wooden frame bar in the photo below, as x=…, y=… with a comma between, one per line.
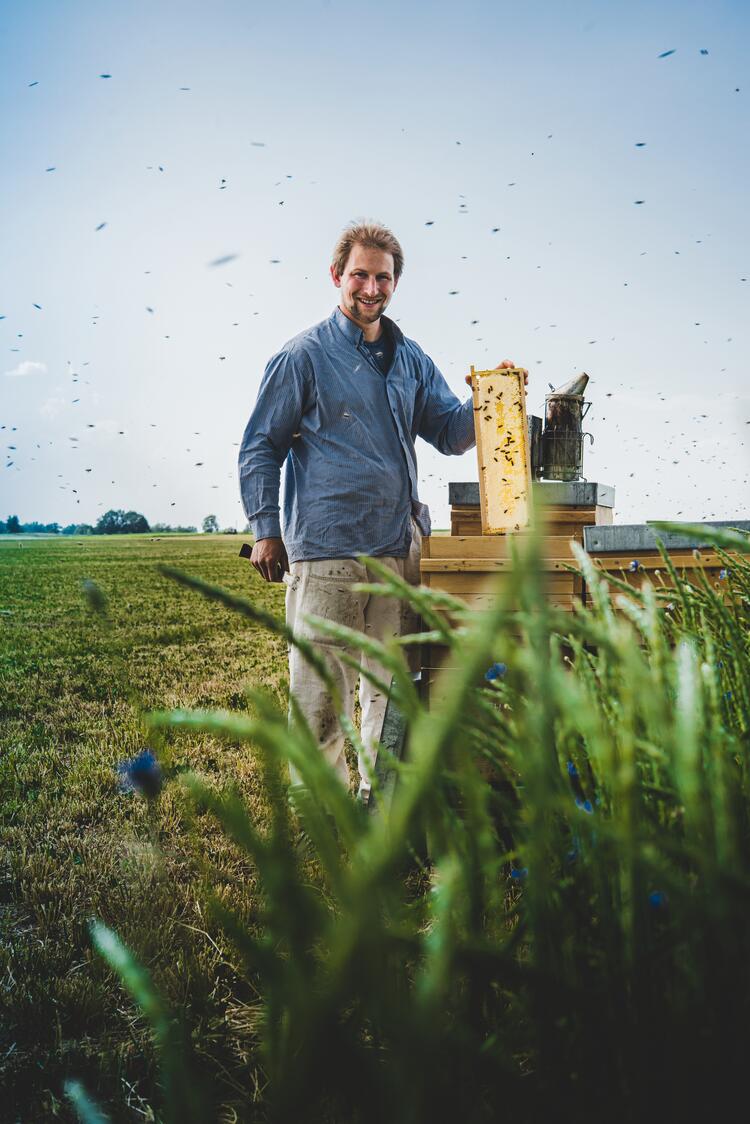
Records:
x=502, y=449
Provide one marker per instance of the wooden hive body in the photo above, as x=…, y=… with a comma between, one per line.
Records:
x=471, y=565
x=467, y=565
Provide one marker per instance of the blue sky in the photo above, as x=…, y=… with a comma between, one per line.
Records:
x=301, y=116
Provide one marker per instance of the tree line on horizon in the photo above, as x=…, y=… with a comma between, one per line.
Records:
x=111, y=523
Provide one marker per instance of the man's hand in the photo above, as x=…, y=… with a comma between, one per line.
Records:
x=505, y=363
x=270, y=560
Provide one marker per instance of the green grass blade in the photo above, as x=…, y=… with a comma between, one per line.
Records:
x=712, y=536
x=87, y=1109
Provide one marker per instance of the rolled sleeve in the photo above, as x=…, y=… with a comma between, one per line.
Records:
x=268, y=437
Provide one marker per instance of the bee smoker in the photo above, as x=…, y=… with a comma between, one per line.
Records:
x=562, y=438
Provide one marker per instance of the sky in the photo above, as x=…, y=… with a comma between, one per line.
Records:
x=568, y=183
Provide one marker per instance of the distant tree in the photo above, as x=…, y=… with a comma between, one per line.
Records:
x=110, y=523
x=229, y=531
x=3, y=528
x=36, y=528
x=13, y=526
x=83, y=529
x=121, y=523
x=210, y=524
x=135, y=523
x=166, y=529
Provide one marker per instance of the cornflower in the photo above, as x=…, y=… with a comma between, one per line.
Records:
x=497, y=671
x=141, y=774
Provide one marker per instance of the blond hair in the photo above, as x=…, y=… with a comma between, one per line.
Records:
x=373, y=236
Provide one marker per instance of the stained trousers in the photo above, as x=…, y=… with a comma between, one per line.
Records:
x=323, y=588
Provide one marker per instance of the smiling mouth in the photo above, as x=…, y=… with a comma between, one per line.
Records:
x=362, y=300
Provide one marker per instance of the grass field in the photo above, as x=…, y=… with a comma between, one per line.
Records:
x=74, y=846
x=553, y=921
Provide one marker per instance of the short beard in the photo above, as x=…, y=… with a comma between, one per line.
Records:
x=373, y=308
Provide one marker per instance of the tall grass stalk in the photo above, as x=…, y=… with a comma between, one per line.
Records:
x=575, y=937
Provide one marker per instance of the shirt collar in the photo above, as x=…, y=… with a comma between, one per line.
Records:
x=355, y=334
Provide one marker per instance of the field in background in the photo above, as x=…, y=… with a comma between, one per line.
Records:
x=74, y=846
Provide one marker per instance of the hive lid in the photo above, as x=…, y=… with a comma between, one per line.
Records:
x=566, y=493
x=622, y=538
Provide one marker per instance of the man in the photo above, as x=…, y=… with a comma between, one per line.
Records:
x=341, y=405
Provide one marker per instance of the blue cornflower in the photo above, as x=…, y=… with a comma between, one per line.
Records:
x=723, y=575
x=657, y=899
x=575, y=784
x=141, y=774
x=519, y=874
x=585, y=806
x=634, y=566
x=497, y=671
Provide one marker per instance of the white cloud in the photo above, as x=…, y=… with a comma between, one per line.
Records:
x=51, y=407
x=27, y=367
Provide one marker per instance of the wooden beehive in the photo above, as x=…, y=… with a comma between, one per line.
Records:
x=560, y=519
x=689, y=564
x=629, y=553
x=467, y=565
x=472, y=568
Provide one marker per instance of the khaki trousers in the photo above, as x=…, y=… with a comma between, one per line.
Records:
x=323, y=588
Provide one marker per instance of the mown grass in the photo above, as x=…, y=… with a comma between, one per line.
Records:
x=575, y=946
x=73, y=846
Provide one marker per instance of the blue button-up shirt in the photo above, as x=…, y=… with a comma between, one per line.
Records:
x=345, y=433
